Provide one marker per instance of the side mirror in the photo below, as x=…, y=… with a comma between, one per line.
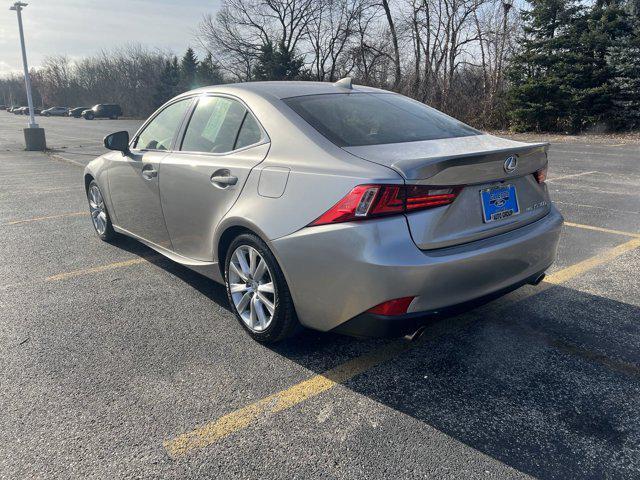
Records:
x=117, y=141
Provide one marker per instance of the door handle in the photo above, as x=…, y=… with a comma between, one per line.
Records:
x=149, y=172
x=223, y=180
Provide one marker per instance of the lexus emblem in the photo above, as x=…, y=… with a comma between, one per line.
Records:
x=510, y=163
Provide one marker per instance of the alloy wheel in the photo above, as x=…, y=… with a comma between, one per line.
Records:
x=251, y=287
x=97, y=209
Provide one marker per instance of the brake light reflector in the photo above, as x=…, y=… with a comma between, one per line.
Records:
x=541, y=175
x=397, y=306
x=370, y=201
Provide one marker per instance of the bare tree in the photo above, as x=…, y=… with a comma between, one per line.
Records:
x=394, y=42
x=241, y=27
x=329, y=33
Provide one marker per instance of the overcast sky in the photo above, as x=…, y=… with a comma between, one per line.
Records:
x=77, y=28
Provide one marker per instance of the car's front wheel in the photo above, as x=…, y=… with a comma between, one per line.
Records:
x=88, y=116
x=99, y=213
x=257, y=290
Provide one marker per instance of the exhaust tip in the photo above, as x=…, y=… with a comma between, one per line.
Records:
x=417, y=334
x=538, y=279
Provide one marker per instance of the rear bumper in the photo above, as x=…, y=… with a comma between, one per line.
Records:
x=369, y=325
x=337, y=272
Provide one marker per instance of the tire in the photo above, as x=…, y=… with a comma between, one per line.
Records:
x=283, y=322
x=100, y=217
x=88, y=116
x=46, y=114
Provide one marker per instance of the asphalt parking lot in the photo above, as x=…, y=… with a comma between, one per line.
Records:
x=115, y=363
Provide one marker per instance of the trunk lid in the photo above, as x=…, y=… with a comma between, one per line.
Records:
x=477, y=163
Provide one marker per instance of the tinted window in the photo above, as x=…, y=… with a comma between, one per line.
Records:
x=355, y=119
x=160, y=132
x=214, y=125
x=250, y=132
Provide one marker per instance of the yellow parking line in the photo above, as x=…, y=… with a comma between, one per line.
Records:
x=568, y=273
x=562, y=177
x=49, y=217
x=600, y=229
x=242, y=418
x=102, y=268
x=42, y=174
x=246, y=416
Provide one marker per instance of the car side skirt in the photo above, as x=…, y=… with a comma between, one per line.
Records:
x=208, y=269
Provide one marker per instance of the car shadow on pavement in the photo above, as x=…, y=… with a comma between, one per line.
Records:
x=317, y=351
x=549, y=385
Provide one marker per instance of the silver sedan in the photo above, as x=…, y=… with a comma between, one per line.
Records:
x=331, y=206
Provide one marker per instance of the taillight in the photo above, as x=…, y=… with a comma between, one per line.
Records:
x=398, y=306
x=541, y=175
x=370, y=201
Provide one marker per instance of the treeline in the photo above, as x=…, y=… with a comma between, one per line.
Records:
x=552, y=65
x=137, y=78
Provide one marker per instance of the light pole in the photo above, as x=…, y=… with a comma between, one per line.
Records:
x=33, y=136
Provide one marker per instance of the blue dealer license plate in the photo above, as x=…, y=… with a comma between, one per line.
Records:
x=499, y=202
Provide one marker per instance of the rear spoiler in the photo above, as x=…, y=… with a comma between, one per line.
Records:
x=474, y=167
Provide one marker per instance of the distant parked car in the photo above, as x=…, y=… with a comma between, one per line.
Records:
x=56, y=112
x=3, y=107
x=77, y=111
x=20, y=110
x=103, y=110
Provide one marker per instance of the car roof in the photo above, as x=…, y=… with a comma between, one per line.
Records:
x=283, y=89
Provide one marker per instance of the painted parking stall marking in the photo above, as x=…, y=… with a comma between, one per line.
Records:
x=243, y=418
x=47, y=217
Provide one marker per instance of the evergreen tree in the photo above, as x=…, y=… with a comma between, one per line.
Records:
x=624, y=60
x=563, y=77
x=168, y=83
x=188, y=70
x=608, y=24
x=277, y=63
x=209, y=72
x=541, y=73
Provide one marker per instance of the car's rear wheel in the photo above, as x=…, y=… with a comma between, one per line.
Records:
x=258, y=292
x=99, y=213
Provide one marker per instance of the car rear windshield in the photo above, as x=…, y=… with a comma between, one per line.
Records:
x=356, y=119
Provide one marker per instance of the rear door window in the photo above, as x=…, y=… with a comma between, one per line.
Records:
x=356, y=119
x=215, y=126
